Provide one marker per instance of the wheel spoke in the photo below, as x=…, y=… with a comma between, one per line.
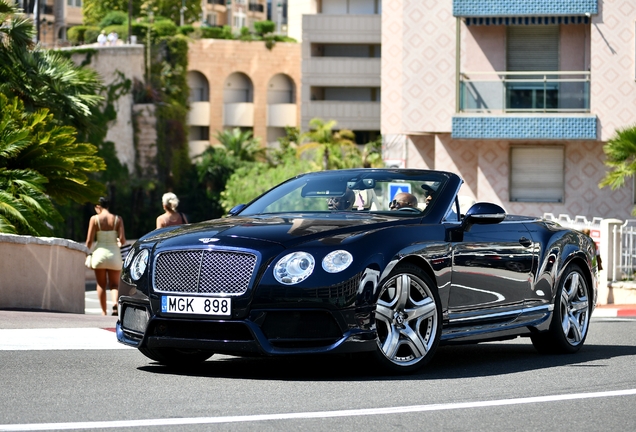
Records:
x=383, y=312
x=424, y=309
x=390, y=345
x=403, y=285
x=576, y=328
x=414, y=340
x=579, y=306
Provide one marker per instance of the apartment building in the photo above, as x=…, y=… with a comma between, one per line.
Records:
x=234, y=13
x=341, y=52
x=241, y=84
x=517, y=97
x=52, y=18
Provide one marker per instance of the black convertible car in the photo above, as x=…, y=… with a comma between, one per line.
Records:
x=383, y=261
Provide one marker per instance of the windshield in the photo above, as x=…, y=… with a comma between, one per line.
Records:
x=407, y=192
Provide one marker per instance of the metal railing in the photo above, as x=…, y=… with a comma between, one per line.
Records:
x=626, y=262
x=535, y=92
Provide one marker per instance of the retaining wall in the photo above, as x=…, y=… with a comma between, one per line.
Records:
x=42, y=273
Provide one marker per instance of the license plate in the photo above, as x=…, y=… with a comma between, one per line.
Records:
x=197, y=305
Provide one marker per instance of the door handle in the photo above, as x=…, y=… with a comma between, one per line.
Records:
x=525, y=242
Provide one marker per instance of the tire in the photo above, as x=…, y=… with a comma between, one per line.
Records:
x=570, y=318
x=408, y=320
x=176, y=357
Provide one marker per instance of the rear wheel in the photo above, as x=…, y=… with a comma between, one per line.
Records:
x=571, y=315
x=408, y=320
x=176, y=357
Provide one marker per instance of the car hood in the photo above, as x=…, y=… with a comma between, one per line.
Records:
x=286, y=230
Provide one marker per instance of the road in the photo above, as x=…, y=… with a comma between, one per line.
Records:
x=61, y=371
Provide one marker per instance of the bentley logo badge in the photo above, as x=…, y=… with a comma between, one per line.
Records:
x=208, y=240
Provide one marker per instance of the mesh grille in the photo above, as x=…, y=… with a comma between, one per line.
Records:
x=210, y=272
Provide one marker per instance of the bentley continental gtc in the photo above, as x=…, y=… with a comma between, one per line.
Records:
x=386, y=262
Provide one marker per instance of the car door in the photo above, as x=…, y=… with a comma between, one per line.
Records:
x=491, y=273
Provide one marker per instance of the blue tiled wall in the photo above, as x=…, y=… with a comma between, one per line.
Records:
x=525, y=127
x=501, y=8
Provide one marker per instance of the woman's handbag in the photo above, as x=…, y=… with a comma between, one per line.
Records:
x=87, y=263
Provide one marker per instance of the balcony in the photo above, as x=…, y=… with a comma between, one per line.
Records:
x=199, y=114
x=240, y=114
x=524, y=92
x=350, y=114
x=281, y=115
x=342, y=29
x=343, y=71
x=256, y=7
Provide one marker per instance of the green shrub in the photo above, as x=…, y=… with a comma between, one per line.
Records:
x=263, y=27
x=186, y=29
x=90, y=35
x=165, y=28
x=114, y=18
x=212, y=33
x=76, y=34
x=140, y=30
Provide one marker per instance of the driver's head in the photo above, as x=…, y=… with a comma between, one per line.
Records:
x=344, y=202
x=403, y=199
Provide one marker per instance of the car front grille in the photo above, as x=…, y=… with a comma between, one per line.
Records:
x=204, y=271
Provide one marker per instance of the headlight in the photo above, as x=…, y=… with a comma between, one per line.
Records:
x=129, y=258
x=139, y=264
x=337, y=261
x=294, y=268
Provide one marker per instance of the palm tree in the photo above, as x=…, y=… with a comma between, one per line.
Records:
x=44, y=78
x=336, y=149
x=40, y=162
x=240, y=144
x=621, y=158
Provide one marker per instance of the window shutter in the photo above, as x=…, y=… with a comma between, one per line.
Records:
x=533, y=48
x=537, y=174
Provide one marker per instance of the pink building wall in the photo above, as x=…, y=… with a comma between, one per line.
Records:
x=418, y=101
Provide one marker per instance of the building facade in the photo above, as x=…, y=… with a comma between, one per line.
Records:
x=341, y=51
x=52, y=19
x=236, y=14
x=242, y=84
x=517, y=97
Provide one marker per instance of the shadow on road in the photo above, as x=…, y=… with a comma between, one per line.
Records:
x=450, y=362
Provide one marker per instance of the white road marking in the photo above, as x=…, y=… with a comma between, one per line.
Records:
x=58, y=339
x=310, y=415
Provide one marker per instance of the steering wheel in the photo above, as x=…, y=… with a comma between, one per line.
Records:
x=409, y=209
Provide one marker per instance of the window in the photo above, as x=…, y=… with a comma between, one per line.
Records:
x=199, y=133
x=532, y=49
x=346, y=94
x=537, y=173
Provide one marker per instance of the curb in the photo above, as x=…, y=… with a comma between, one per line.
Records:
x=614, y=312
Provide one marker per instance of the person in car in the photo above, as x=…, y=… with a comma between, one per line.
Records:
x=403, y=199
x=344, y=202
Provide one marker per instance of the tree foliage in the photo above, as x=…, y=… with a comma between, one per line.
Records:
x=620, y=151
x=335, y=148
x=40, y=162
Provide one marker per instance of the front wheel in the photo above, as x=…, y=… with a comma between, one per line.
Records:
x=408, y=319
x=571, y=315
x=176, y=357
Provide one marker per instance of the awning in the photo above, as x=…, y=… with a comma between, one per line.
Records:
x=539, y=20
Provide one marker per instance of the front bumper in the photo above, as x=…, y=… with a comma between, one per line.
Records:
x=263, y=332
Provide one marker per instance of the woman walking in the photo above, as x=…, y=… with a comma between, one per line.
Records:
x=108, y=230
x=171, y=217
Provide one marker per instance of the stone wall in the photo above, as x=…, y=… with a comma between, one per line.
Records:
x=42, y=273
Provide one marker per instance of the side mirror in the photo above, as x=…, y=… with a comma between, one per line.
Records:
x=483, y=213
x=236, y=210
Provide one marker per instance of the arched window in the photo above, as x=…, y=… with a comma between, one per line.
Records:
x=281, y=90
x=199, y=87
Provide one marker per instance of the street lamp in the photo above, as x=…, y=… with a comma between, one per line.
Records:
x=182, y=12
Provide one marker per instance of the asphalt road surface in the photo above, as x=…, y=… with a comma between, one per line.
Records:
x=67, y=372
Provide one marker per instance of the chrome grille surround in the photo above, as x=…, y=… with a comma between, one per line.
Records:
x=204, y=271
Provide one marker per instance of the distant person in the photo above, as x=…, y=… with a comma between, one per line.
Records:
x=101, y=39
x=402, y=200
x=429, y=196
x=112, y=38
x=344, y=202
x=171, y=217
x=106, y=259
